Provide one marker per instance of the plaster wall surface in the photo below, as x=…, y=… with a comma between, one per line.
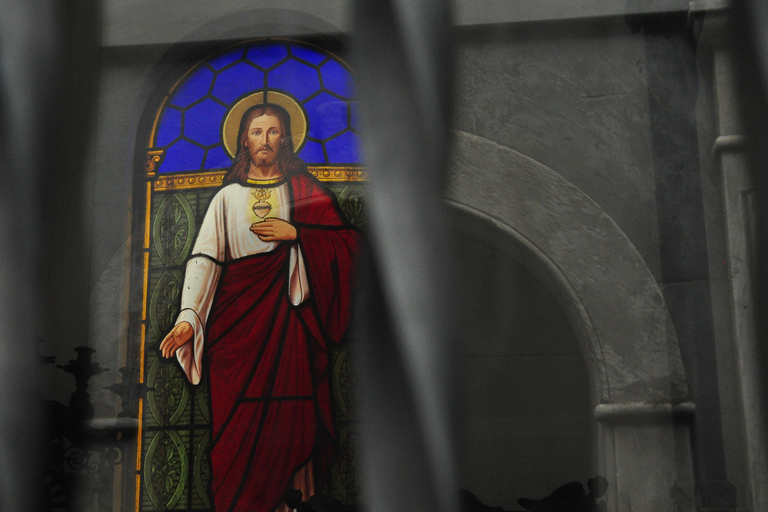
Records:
x=122, y=78
x=575, y=98
x=130, y=22
x=91, y=286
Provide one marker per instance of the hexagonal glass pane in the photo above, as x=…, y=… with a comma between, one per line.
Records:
x=236, y=81
x=296, y=78
x=217, y=159
x=344, y=149
x=354, y=115
x=337, y=79
x=308, y=54
x=226, y=58
x=312, y=153
x=267, y=55
x=202, y=123
x=182, y=156
x=169, y=128
x=193, y=88
x=327, y=116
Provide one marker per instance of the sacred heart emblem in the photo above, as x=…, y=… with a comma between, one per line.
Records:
x=262, y=209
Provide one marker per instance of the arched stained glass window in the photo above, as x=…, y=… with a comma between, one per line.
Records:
x=189, y=129
x=187, y=157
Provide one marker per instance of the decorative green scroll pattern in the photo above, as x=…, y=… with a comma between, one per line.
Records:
x=175, y=466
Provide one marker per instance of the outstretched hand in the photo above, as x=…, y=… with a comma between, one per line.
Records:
x=178, y=336
x=274, y=230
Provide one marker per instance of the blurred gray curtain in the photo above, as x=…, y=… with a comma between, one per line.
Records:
x=404, y=326
x=30, y=39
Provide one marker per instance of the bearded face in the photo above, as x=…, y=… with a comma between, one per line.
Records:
x=263, y=140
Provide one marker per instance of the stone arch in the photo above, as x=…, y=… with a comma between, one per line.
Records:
x=609, y=294
x=614, y=305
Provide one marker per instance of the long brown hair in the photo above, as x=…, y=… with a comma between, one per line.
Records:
x=286, y=160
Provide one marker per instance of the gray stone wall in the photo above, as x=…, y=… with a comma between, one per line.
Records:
x=573, y=96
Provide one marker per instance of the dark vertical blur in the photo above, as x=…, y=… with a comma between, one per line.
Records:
x=30, y=36
x=405, y=372
x=750, y=33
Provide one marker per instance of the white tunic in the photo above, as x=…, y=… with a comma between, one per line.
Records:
x=225, y=235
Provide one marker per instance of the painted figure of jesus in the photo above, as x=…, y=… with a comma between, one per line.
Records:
x=266, y=291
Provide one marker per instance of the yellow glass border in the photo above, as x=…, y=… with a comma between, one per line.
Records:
x=335, y=174
x=191, y=180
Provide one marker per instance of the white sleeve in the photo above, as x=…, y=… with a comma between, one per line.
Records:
x=211, y=240
x=200, y=282
x=298, y=284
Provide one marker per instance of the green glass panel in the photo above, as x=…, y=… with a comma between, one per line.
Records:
x=202, y=410
x=344, y=469
x=201, y=201
x=164, y=301
x=352, y=203
x=173, y=229
x=341, y=376
x=166, y=467
x=168, y=394
x=150, y=420
x=201, y=472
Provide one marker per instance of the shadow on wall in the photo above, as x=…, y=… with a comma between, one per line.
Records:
x=526, y=408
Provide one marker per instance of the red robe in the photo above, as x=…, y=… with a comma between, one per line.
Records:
x=267, y=360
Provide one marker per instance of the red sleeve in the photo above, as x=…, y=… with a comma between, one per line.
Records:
x=330, y=246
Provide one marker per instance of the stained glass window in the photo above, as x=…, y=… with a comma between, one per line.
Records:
x=187, y=158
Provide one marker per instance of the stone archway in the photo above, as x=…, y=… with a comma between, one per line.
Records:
x=614, y=305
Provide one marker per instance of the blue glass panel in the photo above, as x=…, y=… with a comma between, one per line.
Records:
x=266, y=55
x=193, y=88
x=344, y=149
x=312, y=153
x=226, y=58
x=296, y=78
x=169, y=128
x=202, y=123
x=337, y=79
x=327, y=116
x=182, y=156
x=236, y=81
x=217, y=159
x=354, y=115
x=308, y=54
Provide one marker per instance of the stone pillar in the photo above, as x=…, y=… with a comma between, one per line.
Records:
x=646, y=450
x=732, y=217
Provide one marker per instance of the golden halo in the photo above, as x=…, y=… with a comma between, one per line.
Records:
x=231, y=125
